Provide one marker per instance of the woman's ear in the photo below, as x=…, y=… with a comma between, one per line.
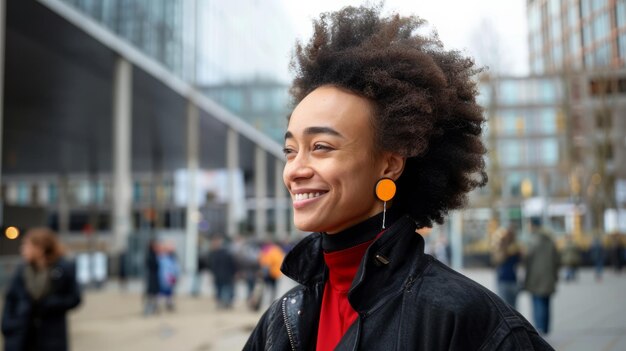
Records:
x=393, y=165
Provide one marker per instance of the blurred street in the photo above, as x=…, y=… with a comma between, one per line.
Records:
x=587, y=316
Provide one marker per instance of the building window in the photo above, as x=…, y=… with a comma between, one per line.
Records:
x=508, y=123
x=603, y=55
x=556, y=30
x=574, y=43
x=546, y=121
x=622, y=45
x=548, y=91
x=53, y=193
x=549, y=152
x=511, y=153
x=557, y=54
x=509, y=92
x=599, y=4
x=538, y=65
x=534, y=19
x=555, y=8
x=620, y=12
x=601, y=27
x=23, y=193
x=572, y=15
x=538, y=44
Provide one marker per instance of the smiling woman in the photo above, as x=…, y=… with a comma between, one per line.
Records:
x=379, y=104
x=329, y=155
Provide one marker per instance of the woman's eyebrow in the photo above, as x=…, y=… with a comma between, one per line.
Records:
x=316, y=130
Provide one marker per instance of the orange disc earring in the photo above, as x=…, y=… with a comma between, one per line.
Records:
x=385, y=191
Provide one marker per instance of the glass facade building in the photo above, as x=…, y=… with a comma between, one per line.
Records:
x=263, y=104
x=203, y=41
x=156, y=27
x=239, y=50
x=527, y=141
x=576, y=34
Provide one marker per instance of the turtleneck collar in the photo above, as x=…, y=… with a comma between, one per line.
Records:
x=344, y=251
x=360, y=233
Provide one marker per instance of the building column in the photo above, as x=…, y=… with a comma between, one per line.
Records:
x=281, y=202
x=3, y=23
x=193, y=160
x=232, y=164
x=260, y=192
x=122, y=179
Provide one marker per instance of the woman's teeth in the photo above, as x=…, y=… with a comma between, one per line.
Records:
x=305, y=196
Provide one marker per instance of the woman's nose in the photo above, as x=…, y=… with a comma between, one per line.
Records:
x=297, y=168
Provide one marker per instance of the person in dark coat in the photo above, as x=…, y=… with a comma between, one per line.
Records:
x=506, y=256
x=42, y=291
x=542, y=263
x=597, y=257
x=385, y=139
x=222, y=264
x=152, y=279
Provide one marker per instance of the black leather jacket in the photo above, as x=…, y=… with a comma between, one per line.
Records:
x=406, y=300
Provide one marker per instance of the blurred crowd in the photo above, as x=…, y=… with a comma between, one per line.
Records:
x=255, y=263
x=536, y=267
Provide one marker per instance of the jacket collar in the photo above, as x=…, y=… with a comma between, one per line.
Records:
x=383, y=272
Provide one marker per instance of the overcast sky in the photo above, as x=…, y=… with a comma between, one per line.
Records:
x=493, y=31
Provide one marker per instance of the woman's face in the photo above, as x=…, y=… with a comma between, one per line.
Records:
x=332, y=166
x=30, y=252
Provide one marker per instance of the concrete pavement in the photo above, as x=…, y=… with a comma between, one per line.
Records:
x=586, y=316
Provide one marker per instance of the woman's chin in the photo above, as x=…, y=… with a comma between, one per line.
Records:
x=308, y=225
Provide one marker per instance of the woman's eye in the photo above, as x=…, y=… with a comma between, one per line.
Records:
x=321, y=147
x=288, y=151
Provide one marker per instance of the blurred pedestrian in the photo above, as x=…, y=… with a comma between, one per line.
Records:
x=616, y=253
x=542, y=271
x=570, y=258
x=169, y=272
x=151, y=278
x=42, y=291
x=222, y=265
x=202, y=252
x=597, y=256
x=247, y=258
x=122, y=262
x=271, y=259
x=505, y=257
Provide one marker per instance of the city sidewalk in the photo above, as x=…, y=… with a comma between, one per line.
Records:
x=586, y=316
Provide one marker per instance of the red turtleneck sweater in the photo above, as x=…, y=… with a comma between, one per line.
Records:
x=337, y=315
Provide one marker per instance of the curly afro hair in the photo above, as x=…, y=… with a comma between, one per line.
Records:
x=424, y=98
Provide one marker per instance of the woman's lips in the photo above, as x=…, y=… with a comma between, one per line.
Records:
x=301, y=200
